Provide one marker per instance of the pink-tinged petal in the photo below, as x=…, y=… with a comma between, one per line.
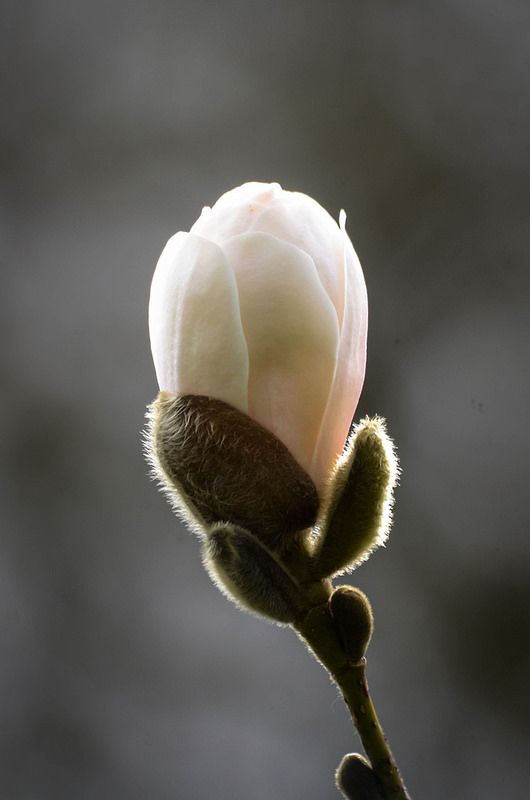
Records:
x=300, y=220
x=291, y=331
x=223, y=222
x=251, y=192
x=195, y=326
x=351, y=364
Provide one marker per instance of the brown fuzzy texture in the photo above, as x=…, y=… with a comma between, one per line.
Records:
x=174, y=491
x=354, y=621
x=357, y=513
x=249, y=574
x=219, y=465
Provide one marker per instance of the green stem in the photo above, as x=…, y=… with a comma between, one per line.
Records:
x=318, y=631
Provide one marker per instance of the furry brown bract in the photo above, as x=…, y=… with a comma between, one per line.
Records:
x=218, y=465
x=356, y=515
x=249, y=574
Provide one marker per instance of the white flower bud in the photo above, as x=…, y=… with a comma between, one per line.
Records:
x=263, y=305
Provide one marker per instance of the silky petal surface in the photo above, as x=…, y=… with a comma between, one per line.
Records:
x=251, y=192
x=224, y=222
x=351, y=365
x=291, y=331
x=195, y=326
x=300, y=220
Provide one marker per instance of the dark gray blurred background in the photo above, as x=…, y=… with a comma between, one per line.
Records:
x=124, y=673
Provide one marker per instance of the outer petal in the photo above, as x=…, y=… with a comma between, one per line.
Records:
x=292, y=335
x=236, y=211
x=299, y=219
x=220, y=223
x=195, y=326
x=251, y=192
x=351, y=364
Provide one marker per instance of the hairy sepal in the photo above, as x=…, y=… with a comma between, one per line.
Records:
x=356, y=514
x=161, y=471
x=250, y=575
x=217, y=464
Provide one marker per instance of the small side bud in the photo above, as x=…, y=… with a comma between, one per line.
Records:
x=357, y=514
x=356, y=780
x=354, y=620
x=249, y=574
x=221, y=465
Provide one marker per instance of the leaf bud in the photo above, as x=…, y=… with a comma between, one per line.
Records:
x=356, y=779
x=354, y=621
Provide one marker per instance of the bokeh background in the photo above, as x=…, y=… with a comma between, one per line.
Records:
x=123, y=672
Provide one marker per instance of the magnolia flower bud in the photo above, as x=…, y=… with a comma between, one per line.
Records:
x=262, y=305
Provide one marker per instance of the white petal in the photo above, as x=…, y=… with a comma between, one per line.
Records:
x=351, y=364
x=195, y=324
x=223, y=222
x=251, y=192
x=236, y=211
x=299, y=219
x=291, y=331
